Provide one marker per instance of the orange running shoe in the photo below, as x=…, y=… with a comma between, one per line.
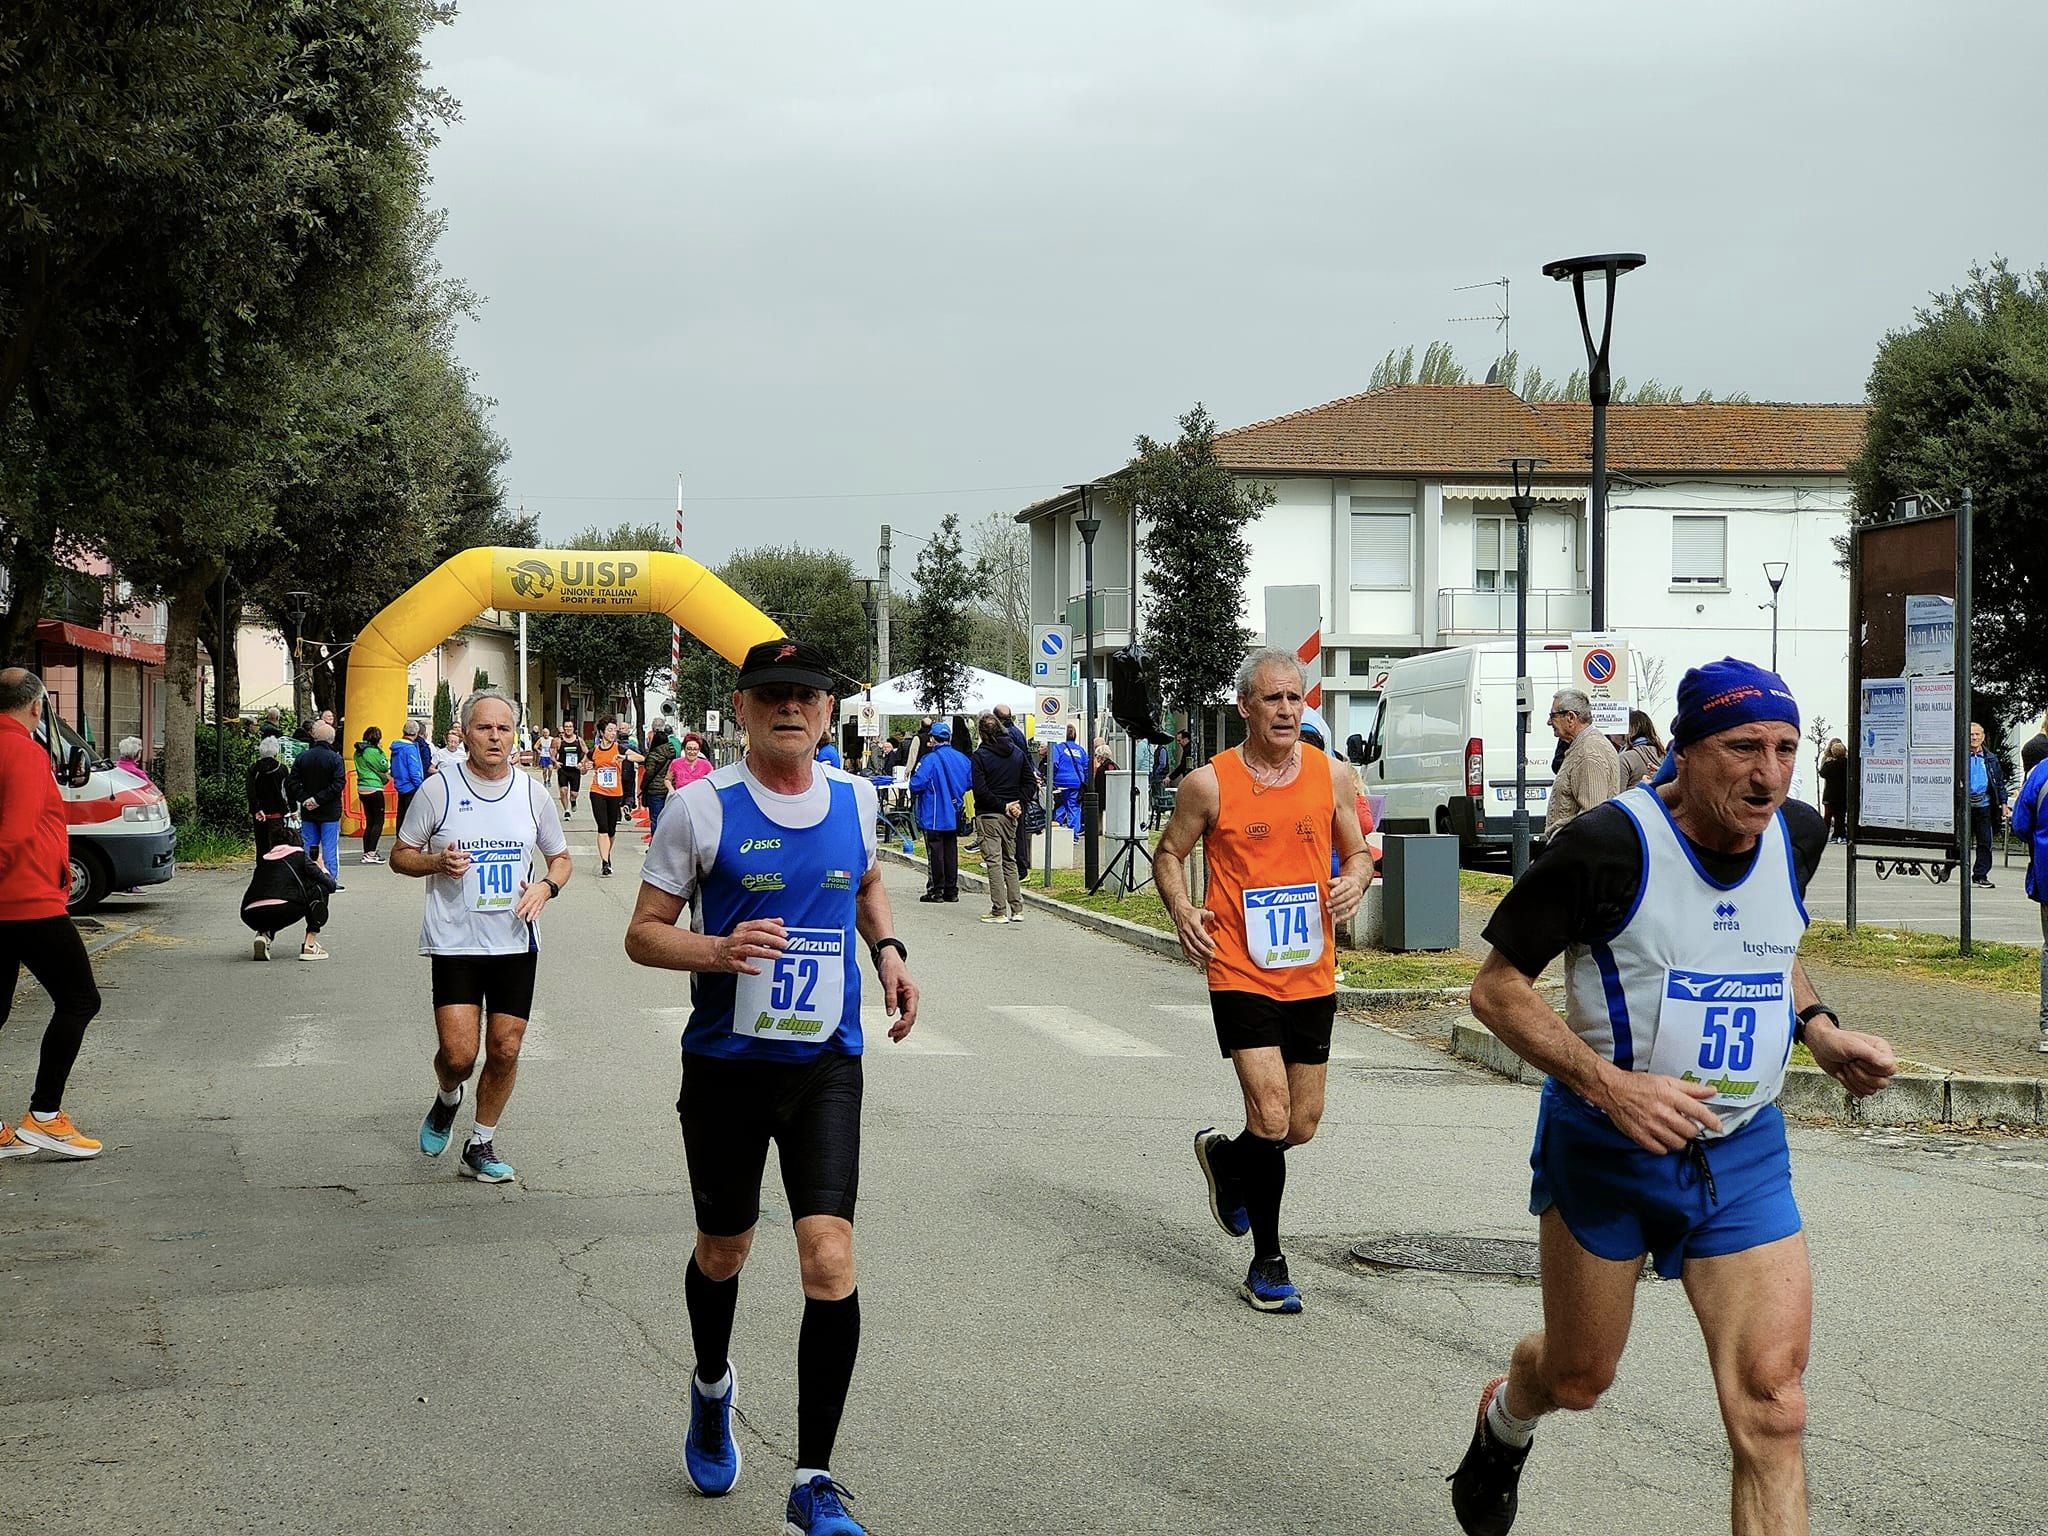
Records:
x=58, y=1135
x=12, y=1145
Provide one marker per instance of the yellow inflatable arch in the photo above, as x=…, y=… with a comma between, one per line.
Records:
x=537, y=581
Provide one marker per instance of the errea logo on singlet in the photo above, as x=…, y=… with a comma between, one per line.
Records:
x=760, y=845
x=1724, y=918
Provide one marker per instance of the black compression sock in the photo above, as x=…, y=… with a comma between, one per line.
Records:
x=825, y=1352
x=1259, y=1169
x=712, y=1304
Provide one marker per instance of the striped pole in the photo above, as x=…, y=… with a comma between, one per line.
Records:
x=1311, y=651
x=675, y=631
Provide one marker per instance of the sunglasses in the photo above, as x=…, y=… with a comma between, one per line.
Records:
x=777, y=694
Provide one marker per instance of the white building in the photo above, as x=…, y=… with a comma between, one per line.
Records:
x=1394, y=503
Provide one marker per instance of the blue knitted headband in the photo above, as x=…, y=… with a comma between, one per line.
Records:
x=1728, y=693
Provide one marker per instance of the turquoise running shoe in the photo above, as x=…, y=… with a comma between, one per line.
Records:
x=439, y=1122
x=480, y=1161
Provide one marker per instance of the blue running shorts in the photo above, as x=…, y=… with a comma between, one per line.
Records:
x=1721, y=1196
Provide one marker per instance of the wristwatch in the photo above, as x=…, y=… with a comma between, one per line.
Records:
x=1805, y=1014
x=875, y=951
x=554, y=890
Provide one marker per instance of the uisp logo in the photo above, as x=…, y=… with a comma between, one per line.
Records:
x=1724, y=918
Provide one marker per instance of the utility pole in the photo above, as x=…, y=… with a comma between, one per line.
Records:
x=882, y=610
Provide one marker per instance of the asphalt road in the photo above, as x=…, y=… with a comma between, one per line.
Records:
x=263, y=1310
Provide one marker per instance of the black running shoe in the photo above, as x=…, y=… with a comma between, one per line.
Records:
x=1483, y=1495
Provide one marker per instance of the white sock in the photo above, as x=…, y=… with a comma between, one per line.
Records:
x=805, y=1474
x=450, y=1097
x=1505, y=1426
x=481, y=1132
x=46, y=1119
x=716, y=1388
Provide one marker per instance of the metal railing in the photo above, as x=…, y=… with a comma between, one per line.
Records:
x=1552, y=611
x=1112, y=611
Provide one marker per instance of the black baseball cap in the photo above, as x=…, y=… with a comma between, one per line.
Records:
x=785, y=661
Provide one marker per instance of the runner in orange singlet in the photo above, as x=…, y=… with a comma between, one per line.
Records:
x=1267, y=813
x=607, y=790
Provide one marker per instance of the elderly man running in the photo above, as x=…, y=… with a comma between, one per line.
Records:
x=478, y=833
x=1269, y=813
x=1679, y=910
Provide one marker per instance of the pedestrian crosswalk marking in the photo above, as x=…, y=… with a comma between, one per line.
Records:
x=1077, y=1031
x=922, y=1040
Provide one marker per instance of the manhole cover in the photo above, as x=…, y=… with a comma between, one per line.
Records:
x=1507, y=1256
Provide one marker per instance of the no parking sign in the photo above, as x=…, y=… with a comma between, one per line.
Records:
x=1600, y=671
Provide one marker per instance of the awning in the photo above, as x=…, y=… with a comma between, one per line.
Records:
x=98, y=641
x=1503, y=492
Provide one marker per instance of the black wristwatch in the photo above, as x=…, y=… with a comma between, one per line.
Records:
x=875, y=951
x=1806, y=1014
x=554, y=890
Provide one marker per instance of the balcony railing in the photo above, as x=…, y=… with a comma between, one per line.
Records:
x=1552, y=611
x=1112, y=611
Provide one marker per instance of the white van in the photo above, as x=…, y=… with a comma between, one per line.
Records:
x=120, y=825
x=1442, y=744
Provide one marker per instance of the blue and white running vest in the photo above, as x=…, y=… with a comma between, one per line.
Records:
x=807, y=999
x=1697, y=982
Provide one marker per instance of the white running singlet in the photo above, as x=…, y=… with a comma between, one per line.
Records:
x=510, y=827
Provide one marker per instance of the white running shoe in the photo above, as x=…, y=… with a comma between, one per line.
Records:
x=260, y=950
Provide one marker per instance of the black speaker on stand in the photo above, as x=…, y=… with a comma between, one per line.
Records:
x=1130, y=706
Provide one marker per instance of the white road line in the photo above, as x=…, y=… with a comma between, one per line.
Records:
x=1199, y=1012
x=1077, y=1031
x=539, y=1041
x=923, y=1040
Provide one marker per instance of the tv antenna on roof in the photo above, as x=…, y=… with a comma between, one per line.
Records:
x=1499, y=318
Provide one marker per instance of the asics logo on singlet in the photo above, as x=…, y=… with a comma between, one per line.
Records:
x=1726, y=987
x=1724, y=918
x=760, y=844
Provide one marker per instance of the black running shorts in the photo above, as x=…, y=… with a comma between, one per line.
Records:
x=604, y=810
x=1300, y=1028
x=731, y=1109
x=569, y=778
x=494, y=983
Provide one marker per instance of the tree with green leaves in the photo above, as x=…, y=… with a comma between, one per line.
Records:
x=608, y=652
x=1195, y=514
x=936, y=629
x=203, y=194
x=1960, y=398
x=444, y=712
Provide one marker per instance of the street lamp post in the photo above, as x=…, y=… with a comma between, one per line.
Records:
x=1580, y=270
x=1088, y=525
x=1523, y=501
x=1774, y=573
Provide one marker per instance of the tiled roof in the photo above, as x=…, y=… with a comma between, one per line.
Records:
x=1465, y=430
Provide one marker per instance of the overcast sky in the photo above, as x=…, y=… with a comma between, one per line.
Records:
x=808, y=253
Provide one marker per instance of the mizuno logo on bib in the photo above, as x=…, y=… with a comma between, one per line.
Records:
x=1283, y=926
x=800, y=994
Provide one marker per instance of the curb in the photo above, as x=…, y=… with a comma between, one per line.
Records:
x=1141, y=937
x=1913, y=1098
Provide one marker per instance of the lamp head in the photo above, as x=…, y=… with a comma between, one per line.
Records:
x=1594, y=269
x=1774, y=573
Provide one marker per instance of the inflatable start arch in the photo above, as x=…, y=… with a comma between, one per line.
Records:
x=538, y=581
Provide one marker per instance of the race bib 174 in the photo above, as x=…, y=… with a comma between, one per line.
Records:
x=1283, y=926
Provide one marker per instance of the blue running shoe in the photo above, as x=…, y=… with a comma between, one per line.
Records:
x=815, y=1509
x=1234, y=1219
x=439, y=1122
x=480, y=1161
x=1267, y=1287
x=711, y=1454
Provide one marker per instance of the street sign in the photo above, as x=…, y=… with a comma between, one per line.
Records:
x=1051, y=645
x=870, y=721
x=1050, y=717
x=1600, y=670
x=710, y=722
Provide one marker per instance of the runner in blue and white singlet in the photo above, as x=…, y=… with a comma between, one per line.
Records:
x=1678, y=910
x=779, y=852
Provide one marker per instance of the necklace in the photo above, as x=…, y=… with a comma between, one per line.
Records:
x=1263, y=782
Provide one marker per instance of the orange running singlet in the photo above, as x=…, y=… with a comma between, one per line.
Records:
x=606, y=771
x=1269, y=882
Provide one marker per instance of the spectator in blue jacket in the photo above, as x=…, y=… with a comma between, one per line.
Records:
x=1069, y=769
x=408, y=767
x=2030, y=820
x=1987, y=805
x=939, y=781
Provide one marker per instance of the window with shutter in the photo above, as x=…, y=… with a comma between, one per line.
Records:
x=1699, y=551
x=1381, y=544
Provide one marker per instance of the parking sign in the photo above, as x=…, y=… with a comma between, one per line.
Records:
x=1050, y=645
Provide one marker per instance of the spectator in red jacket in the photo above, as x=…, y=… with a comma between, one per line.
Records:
x=35, y=927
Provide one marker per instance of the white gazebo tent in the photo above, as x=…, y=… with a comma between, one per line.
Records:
x=984, y=690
